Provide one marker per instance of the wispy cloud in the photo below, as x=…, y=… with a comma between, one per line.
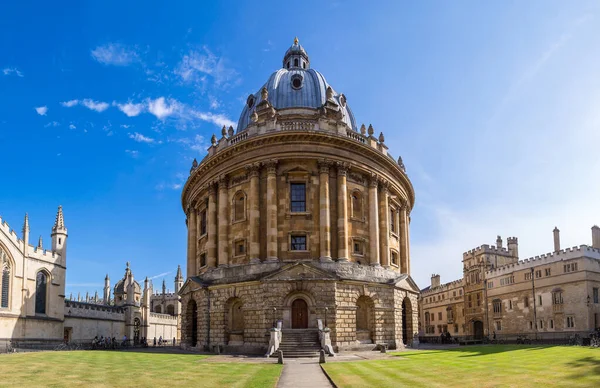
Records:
x=130, y=109
x=141, y=138
x=72, y=126
x=115, y=54
x=41, y=110
x=52, y=124
x=70, y=103
x=197, y=64
x=98, y=106
x=160, y=275
x=12, y=71
x=196, y=143
x=162, y=108
x=133, y=153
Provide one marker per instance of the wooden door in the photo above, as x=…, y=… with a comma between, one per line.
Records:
x=299, y=314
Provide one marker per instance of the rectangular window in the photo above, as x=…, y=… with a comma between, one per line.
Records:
x=510, y=304
x=570, y=321
x=595, y=293
x=460, y=292
x=298, y=197
x=547, y=271
x=539, y=300
x=203, y=260
x=526, y=301
x=490, y=284
x=454, y=293
x=552, y=324
x=357, y=247
x=538, y=273
x=394, y=259
x=439, y=316
x=455, y=329
x=392, y=221
x=432, y=317
x=498, y=325
x=541, y=324
x=203, y=223
x=298, y=242
x=530, y=325
x=240, y=248
x=527, y=275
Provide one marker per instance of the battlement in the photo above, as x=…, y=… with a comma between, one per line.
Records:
x=444, y=287
x=42, y=254
x=91, y=310
x=485, y=248
x=552, y=257
x=154, y=317
x=10, y=233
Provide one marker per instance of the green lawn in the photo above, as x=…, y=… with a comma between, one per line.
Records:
x=130, y=369
x=475, y=366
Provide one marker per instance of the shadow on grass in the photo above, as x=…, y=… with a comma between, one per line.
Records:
x=475, y=351
x=591, y=365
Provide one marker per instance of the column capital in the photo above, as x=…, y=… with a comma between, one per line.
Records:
x=342, y=168
x=384, y=185
x=223, y=181
x=373, y=180
x=271, y=166
x=211, y=187
x=324, y=166
x=253, y=169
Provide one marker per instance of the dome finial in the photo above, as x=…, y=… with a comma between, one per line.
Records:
x=296, y=41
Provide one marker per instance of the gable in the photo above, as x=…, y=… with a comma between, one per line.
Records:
x=191, y=284
x=299, y=271
x=407, y=283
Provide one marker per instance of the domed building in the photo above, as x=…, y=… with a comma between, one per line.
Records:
x=298, y=220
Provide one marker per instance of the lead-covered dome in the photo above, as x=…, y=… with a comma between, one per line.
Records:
x=296, y=85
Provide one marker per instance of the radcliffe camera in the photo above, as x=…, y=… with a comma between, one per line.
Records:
x=323, y=194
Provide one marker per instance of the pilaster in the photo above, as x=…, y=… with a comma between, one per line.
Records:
x=223, y=221
x=404, y=253
x=373, y=223
x=384, y=222
x=211, y=242
x=271, y=199
x=324, y=211
x=254, y=212
x=342, y=223
x=192, y=239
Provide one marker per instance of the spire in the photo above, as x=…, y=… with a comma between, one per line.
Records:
x=296, y=41
x=106, y=278
x=164, y=288
x=40, y=243
x=178, y=276
x=59, y=223
x=26, y=224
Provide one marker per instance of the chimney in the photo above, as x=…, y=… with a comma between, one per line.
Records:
x=513, y=246
x=556, y=239
x=595, y=237
x=499, y=242
x=435, y=281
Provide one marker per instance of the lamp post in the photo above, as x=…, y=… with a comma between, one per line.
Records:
x=327, y=309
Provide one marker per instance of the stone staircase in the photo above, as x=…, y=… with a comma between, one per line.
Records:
x=298, y=343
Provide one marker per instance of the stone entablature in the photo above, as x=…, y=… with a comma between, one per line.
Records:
x=91, y=310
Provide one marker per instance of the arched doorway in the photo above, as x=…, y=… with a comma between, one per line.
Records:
x=234, y=321
x=299, y=314
x=192, y=322
x=364, y=320
x=407, y=322
x=478, y=329
x=136, y=331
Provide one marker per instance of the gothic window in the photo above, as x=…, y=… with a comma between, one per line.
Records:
x=298, y=242
x=158, y=309
x=5, y=280
x=171, y=309
x=497, y=303
x=298, y=197
x=356, y=203
x=203, y=222
x=595, y=294
x=239, y=207
x=41, y=285
x=557, y=297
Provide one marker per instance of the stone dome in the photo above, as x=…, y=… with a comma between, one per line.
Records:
x=296, y=85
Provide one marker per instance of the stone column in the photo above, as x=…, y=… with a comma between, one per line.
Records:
x=384, y=226
x=211, y=242
x=254, y=213
x=223, y=221
x=404, y=265
x=271, y=210
x=342, y=171
x=192, y=240
x=373, y=223
x=324, y=211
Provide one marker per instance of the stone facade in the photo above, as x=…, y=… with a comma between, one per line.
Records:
x=549, y=296
x=34, y=309
x=298, y=217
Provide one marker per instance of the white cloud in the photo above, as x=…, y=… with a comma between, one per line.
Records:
x=214, y=103
x=141, y=138
x=125, y=126
x=72, y=126
x=130, y=109
x=133, y=153
x=218, y=119
x=115, y=54
x=98, y=106
x=160, y=275
x=196, y=65
x=13, y=70
x=52, y=124
x=162, y=109
x=41, y=110
x=70, y=103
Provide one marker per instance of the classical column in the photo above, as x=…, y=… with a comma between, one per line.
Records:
x=324, y=211
x=254, y=212
x=373, y=223
x=404, y=238
x=223, y=221
x=271, y=199
x=342, y=223
x=192, y=239
x=384, y=225
x=211, y=242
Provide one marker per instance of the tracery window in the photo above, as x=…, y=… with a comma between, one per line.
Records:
x=5, y=280
x=497, y=306
x=557, y=297
x=41, y=285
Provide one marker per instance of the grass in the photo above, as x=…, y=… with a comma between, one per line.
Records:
x=476, y=366
x=130, y=369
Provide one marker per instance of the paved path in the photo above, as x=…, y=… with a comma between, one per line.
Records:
x=301, y=373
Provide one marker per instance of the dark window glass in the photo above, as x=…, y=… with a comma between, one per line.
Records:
x=296, y=62
x=298, y=243
x=298, y=197
x=203, y=222
x=40, y=293
x=240, y=248
x=239, y=211
x=203, y=260
x=5, y=286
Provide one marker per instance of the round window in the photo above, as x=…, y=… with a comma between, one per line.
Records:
x=297, y=81
x=250, y=101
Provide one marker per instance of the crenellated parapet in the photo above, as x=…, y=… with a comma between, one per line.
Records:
x=444, y=287
x=582, y=251
x=485, y=248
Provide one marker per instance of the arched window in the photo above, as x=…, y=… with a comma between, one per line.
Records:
x=158, y=309
x=5, y=280
x=296, y=62
x=171, y=309
x=239, y=207
x=303, y=65
x=41, y=285
x=288, y=64
x=356, y=203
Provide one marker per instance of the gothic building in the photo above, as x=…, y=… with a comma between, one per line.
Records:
x=299, y=219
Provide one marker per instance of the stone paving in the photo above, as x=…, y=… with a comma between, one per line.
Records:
x=303, y=373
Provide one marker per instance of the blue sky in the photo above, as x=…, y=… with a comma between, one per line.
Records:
x=492, y=105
